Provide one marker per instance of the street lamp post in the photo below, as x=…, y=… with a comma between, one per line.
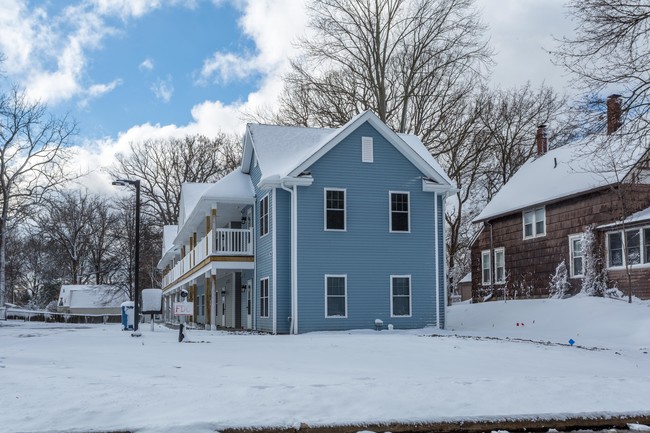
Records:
x=136, y=184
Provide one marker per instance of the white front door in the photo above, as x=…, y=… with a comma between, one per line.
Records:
x=249, y=304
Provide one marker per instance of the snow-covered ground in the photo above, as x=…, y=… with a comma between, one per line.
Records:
x=80, y=378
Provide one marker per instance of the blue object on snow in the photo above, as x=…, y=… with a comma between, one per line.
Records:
x=571, y=342
x=128, y=314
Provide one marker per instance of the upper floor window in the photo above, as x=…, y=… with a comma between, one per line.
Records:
x=631, y=249
x=264, y=215
x=534, y=222
x=575, y=253
x=399, y=212
x=334, y=209
x=486, y=268
x=335, y=295
x=400, y=293
x=367, y=149
x=499, y=266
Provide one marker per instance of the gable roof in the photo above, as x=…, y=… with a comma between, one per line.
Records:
x=286, y=151
x=190, y=195
x=577, y=168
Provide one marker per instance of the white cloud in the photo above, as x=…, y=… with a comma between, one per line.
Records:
x=146, y=65
x=163, y=89
x=98, y=90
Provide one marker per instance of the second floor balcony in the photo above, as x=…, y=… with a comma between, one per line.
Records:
x=217, y=243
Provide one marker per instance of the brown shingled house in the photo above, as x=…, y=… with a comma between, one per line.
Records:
x=537, y=219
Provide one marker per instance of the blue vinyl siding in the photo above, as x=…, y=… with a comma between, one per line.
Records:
x=441, y=262
x=283, y=259
x=263, y=253
x=366, y=252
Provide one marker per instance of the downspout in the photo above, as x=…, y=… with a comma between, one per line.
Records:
x=492, y=276
x=294, y=256
x=444, y=255
x=437, y=264
x=275, y=266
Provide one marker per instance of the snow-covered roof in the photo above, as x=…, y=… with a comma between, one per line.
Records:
x=637, y=217
x=284, y=151
x=190, y=195
x=467, y=278
x=566, y=171
x=169, y=234
x=90, y=296
x=233, y=187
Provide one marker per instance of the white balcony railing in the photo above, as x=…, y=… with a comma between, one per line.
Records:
x=225, y=242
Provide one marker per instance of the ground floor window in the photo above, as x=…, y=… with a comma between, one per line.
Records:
x=631, y=247
x=264, y=297
x=335, y=295
x=499, y=266
x=486, y=268
x=575, y=250
x=400, y=293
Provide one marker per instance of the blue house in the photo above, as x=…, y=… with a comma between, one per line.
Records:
x=319, y=229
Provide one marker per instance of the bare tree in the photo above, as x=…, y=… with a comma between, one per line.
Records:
x=163, y=165
x=609, y=53
x=407, y=60
x=511, y=118
x=32, y=156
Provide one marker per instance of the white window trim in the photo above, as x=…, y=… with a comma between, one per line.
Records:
x=268, y=299
x=410, y=295
x=624, y=243
x=345, y=278
x=572, y=273
x=345, y=209
x=485, y=253
x=496, y=251
x=367, y=150
x=390, y=211
x=268, y=216
x=523, y=223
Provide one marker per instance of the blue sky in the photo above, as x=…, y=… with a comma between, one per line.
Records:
x=128, y=70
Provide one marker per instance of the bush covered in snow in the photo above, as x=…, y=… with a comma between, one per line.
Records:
x=559, y=286
x=594, y=282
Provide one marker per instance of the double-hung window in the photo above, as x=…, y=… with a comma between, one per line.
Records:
x=575, y=250
x=486, y=268
x=335, y=296
x=499, y=266
x=631, y=247
x=335, y=209
x=534, y=222
x=264, y=216
x=399, y=212
x=264, y=297
x=400, y=294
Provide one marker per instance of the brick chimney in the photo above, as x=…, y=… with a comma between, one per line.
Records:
x=614, y=103
x=542, y=140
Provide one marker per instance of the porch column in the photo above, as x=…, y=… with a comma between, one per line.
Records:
x=208, y=316
x=213, y=302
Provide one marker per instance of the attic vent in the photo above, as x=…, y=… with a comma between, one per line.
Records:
x=366, y=149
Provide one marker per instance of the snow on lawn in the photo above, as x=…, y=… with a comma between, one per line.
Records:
x=78, y=378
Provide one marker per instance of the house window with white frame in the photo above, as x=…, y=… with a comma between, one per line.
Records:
x=399, y=212
x=534, y=222
x=575, y=251
x=335, y=209
x=400, y=294
x=499, y=266
x=486, y=268
x=631, y=249
x=264, y=297
x=335, y=296
x=264, y=215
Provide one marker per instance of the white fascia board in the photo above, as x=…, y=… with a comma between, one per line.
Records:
x=445, y=190
x=275, y=181
x=387, y=133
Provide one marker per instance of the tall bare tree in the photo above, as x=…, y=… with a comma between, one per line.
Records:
x=407, y=60
x=32, y=156
x=163, y=165
x=609, y=53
